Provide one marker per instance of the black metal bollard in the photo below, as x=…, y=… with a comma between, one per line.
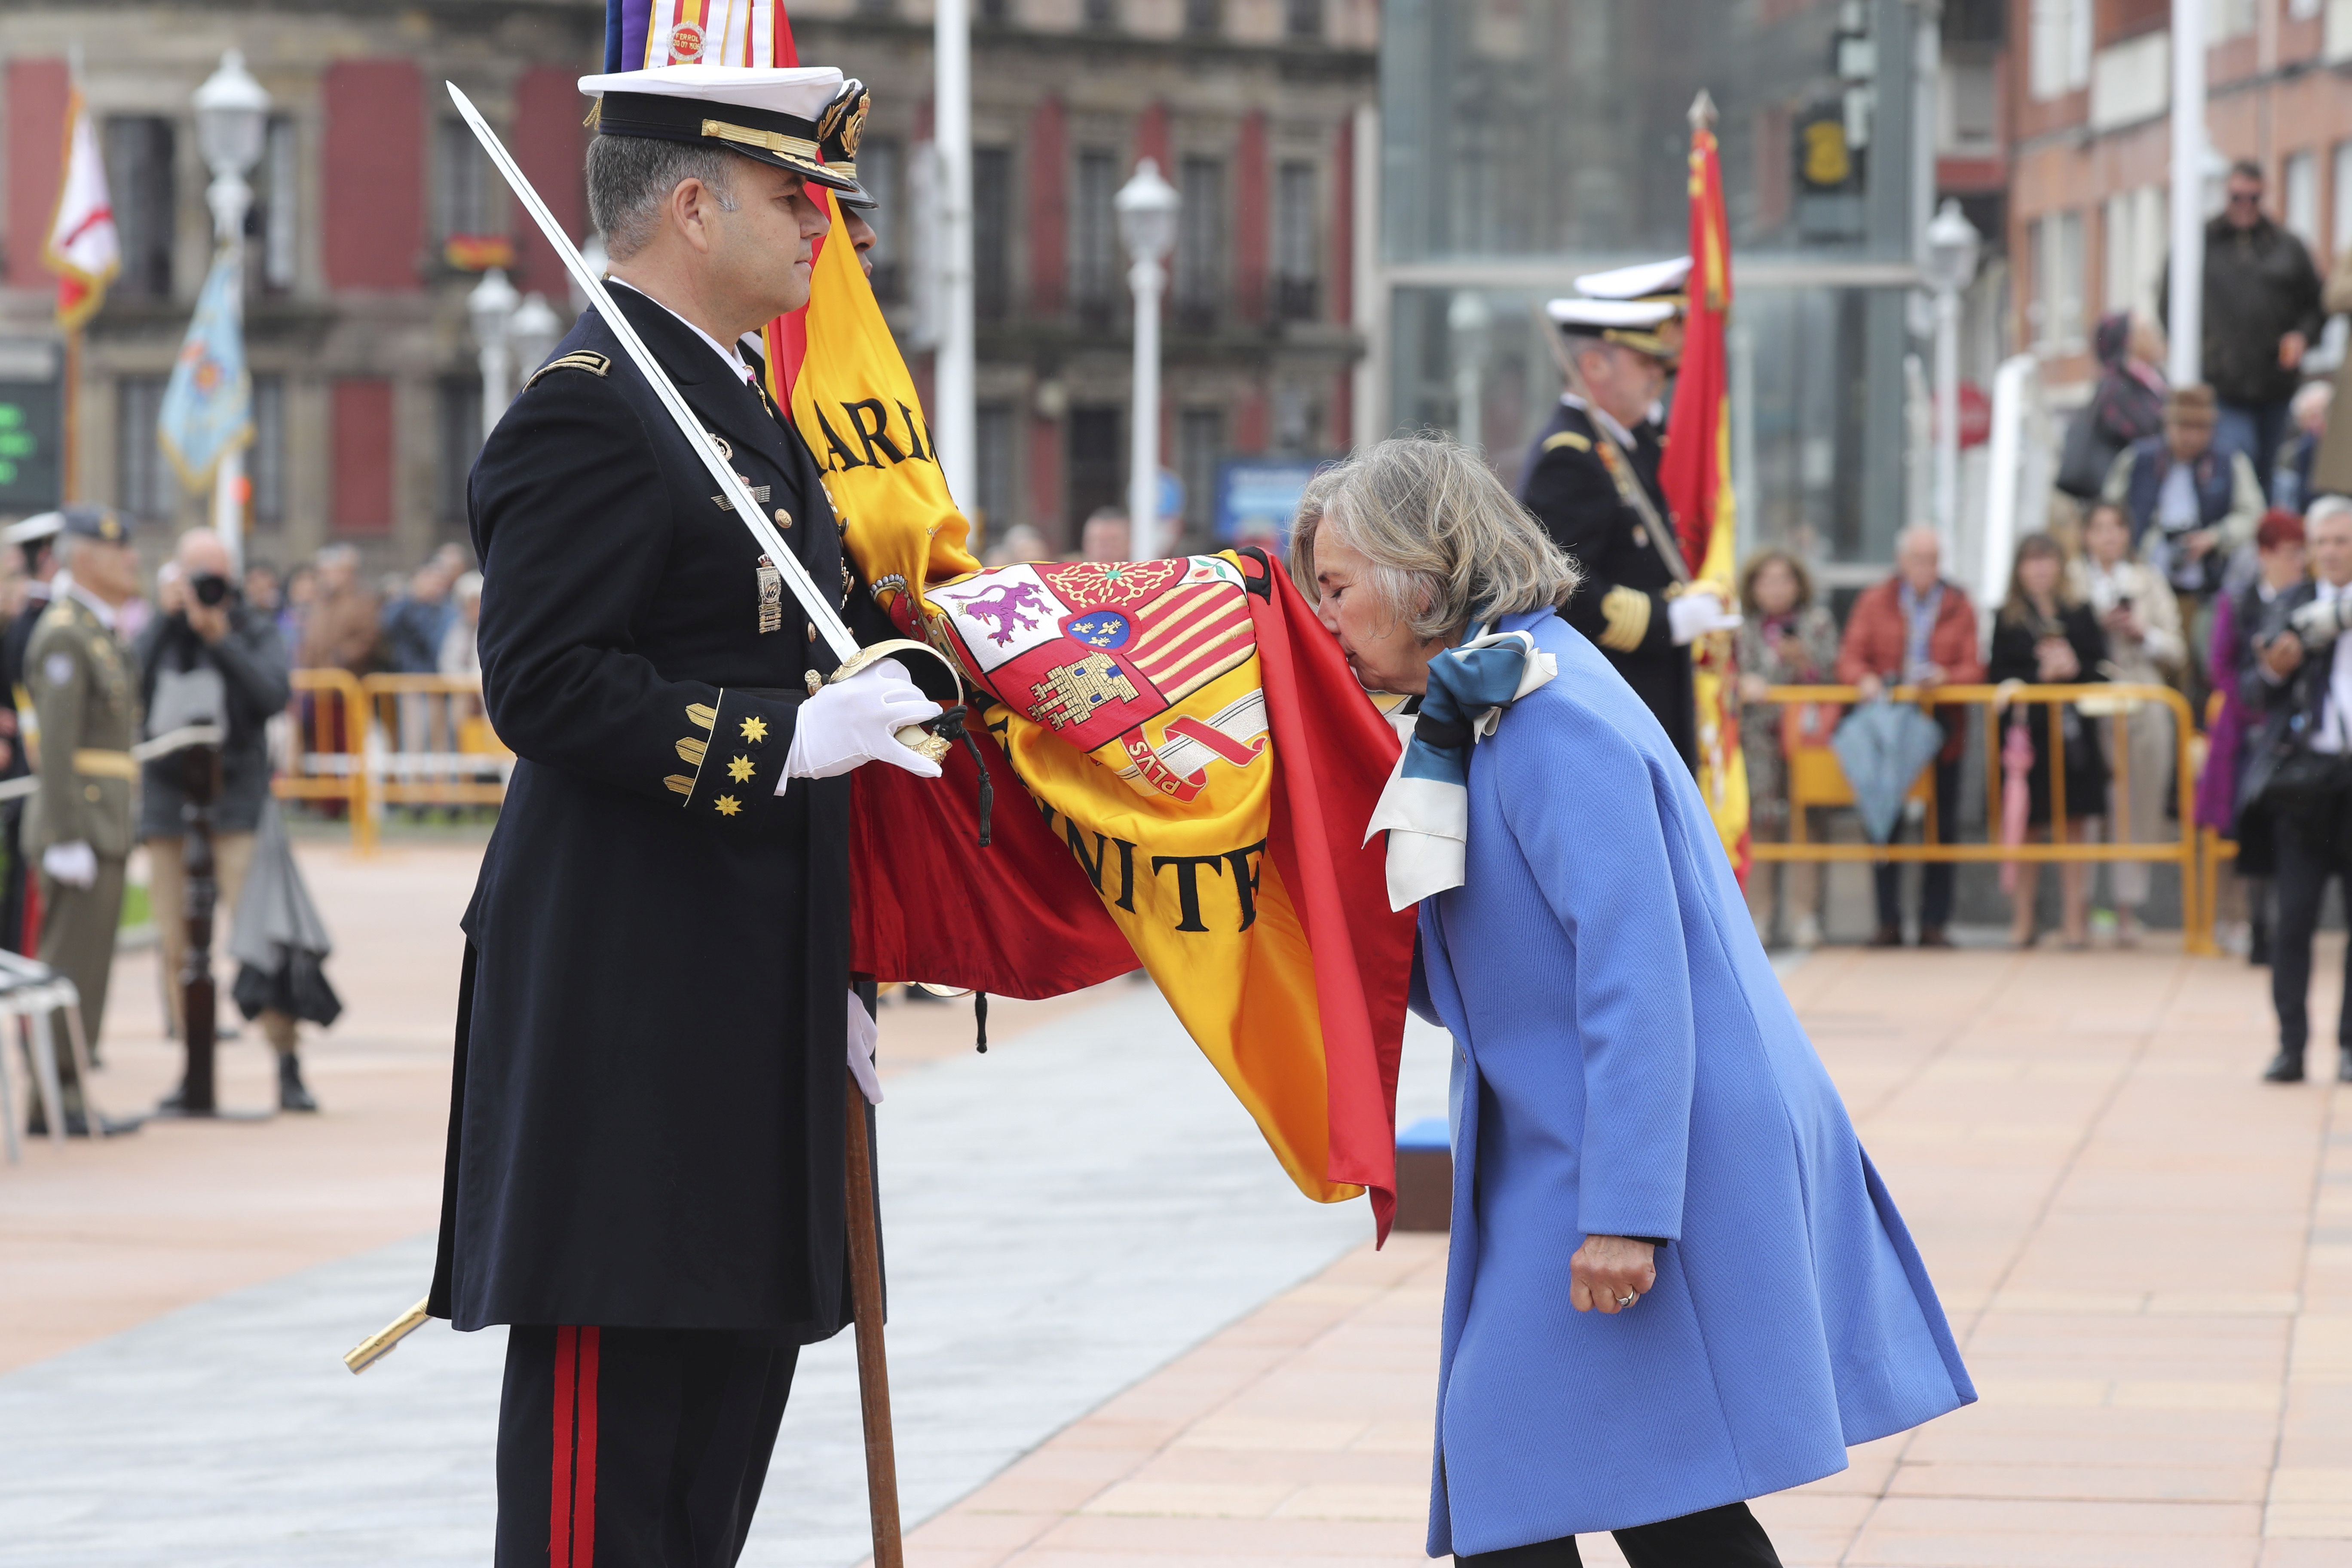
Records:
x=200, y=777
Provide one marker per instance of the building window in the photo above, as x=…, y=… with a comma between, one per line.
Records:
x=877, y=8
x=1204, y=19
x=460, y=416
x=1097, y=463
x=264, y=461
x=1100, y=13
x=2135, y=245
x=992, y=233
x=993, y=431
x=2299, y=197
x=1302, y=20
x=880, y=160
x=1293, y=243
x=143, y=482
x=1201, y=243
x=271, y=231
x=1094, y=239
x=2056, y=312
x=139, y=149
x=1199, y=449
x=996, y=13
x=464, y=185
x=2059, y=47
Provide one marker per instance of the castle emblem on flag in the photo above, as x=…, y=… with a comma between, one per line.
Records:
x=1071, y=692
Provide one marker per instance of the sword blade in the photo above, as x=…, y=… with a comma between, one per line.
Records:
x=821, y=612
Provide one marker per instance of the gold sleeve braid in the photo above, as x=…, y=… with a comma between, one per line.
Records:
x=1625, y=620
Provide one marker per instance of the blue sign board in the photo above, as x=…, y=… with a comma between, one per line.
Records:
x=1257, y=499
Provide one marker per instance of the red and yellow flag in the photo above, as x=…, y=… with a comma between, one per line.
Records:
x=1697, y=477
x=1187, y=814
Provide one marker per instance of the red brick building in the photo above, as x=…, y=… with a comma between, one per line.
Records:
x=367, y=396
x=2086, y=86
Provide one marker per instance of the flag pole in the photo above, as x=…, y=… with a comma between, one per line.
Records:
x=873, y=1369
x=69, y=437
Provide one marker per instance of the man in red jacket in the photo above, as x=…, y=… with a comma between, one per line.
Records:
x=1916, y=629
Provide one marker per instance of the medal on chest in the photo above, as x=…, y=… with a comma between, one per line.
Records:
x=771, y=596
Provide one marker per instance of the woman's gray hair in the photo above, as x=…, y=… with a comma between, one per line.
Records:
x=630, y=176
x=1447, y=544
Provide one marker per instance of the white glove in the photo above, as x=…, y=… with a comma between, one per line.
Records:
x=1690, y=616
x=2320, y=621
x=855, y=722
x=74, y=864
x=863, y=1037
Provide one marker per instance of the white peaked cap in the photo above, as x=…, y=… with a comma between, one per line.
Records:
x=1600, y=315
x=1639, y=282
x=801, y=91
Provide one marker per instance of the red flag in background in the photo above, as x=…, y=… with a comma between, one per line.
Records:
x=1696, y=474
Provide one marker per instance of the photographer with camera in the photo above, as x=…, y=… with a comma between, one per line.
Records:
x=2301, y=772
x=214, y=628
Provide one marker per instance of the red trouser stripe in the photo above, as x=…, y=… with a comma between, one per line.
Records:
x=571, y=1489
x=584, y=1491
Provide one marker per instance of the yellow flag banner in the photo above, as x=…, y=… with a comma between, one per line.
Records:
x=1157, y=712
x=855, y=403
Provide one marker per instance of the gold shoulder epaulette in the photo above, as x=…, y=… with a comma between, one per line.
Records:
x=1568, y=438
x=579, y=359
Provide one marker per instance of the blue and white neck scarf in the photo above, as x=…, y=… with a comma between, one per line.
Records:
x=1425, y=809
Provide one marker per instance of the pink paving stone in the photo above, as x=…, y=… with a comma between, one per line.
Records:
x=2088, y=1170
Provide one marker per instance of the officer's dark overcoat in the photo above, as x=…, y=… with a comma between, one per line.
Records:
x=1622, y=603
x=646, y=1126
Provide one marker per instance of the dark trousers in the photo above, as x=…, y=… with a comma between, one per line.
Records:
x=2257, y=429
x=1936, y=876
x=1725, y=1537
x=635, y=1448
x=2307, y=862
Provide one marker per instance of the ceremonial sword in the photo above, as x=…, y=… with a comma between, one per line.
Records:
x=731, y=485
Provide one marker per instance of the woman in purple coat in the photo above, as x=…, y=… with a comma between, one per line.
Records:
x=1675, y=1282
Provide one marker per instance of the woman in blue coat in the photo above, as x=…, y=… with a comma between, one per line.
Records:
x=1675, y=1281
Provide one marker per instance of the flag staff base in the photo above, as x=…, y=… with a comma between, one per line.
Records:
x=873, y=1368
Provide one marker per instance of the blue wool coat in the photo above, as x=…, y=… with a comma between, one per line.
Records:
x=1627, y=1064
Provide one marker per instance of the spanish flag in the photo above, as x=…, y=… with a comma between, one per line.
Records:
x=1188, y=815
x=1696, y=474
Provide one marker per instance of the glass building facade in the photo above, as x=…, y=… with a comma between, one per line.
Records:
x=1526, y=141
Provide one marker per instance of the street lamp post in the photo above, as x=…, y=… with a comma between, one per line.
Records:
x=2185, y=305
x=1952, y=243
x=532, y=335
x=232, y=119
x=492, y=305
x=1147, y=224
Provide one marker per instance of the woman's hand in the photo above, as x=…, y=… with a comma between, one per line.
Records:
x=2059, y=664
x=1753, y=686
x=1609, y=1272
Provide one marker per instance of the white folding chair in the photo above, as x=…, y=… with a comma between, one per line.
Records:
x=30, y=991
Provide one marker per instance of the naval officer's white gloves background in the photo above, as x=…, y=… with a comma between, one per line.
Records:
x=74, y=864
x=856, y=721
x=1690, y=616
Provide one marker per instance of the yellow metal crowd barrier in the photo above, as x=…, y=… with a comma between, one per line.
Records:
x=1817, y=779
x=371, y=742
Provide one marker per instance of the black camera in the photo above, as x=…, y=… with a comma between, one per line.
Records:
x=210, y=589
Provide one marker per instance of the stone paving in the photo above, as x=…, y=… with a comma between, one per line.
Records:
x=1119, y=1338
x=2147, y=1254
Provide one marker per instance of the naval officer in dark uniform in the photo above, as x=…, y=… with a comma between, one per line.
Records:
x=644, y=1169
x=1591, y=479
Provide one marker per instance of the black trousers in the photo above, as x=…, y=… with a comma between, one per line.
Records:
x=635, y=1448
x=1725, y=1537
x=1935, y=875
x=2307, y=860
